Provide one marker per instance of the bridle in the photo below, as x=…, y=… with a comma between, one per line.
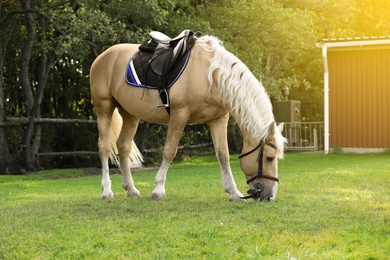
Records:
x=255, y=193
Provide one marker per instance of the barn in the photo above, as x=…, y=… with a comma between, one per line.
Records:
x=356, y=93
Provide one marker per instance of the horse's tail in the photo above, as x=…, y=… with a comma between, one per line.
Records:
x=116, y=125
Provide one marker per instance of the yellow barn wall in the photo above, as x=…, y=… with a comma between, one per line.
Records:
x=359, y=98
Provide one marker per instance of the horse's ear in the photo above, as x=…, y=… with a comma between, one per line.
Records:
x=271, y=131
x=281, y=126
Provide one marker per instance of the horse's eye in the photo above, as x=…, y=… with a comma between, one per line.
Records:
x=270, y=158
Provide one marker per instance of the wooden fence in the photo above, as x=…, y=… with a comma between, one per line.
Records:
x=20, y=121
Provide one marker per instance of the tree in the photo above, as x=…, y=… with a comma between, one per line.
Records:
x=266, y=35
x=6, y=160
x=55, y=43
x=46, y=45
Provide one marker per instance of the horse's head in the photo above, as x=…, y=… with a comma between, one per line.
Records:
x=260, y=164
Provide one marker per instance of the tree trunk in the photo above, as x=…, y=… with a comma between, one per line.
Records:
x=6, y=160
x=42, y=74
x=25, y=82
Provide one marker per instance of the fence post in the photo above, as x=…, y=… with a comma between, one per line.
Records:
x=315, y=140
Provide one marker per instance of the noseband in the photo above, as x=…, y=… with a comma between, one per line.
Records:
x=255, y=193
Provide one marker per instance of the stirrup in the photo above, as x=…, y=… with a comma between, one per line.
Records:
x=160, y=103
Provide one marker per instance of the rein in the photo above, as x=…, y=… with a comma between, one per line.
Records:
x=255, y=193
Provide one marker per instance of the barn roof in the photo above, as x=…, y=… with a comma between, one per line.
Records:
x=362, y=38
x=354, y=41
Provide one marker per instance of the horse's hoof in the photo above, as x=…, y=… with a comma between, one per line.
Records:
x=158, y=196
x=236, y=198
x=108, y=196
x=133, y=193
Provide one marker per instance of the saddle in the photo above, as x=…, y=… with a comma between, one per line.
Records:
x=159, y=63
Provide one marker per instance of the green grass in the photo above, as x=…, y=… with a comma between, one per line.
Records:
x=328, y=207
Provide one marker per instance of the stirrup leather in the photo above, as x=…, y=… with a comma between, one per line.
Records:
x=160, y=102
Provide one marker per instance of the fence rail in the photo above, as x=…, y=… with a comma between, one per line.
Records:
x=301, y=136
x=19, y=121
x=304, y=136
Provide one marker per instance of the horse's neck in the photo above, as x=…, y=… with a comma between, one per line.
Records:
x=248, y=141
x=248, y=103
x=240, y=92
x=253, y=131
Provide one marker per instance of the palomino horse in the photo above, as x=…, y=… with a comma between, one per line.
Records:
x=214, y=84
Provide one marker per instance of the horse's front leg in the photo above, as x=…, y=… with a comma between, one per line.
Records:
x=124, y=144
x=175, y=129
x=218, y=129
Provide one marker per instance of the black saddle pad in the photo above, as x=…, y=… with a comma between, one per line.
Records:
x=140, y=74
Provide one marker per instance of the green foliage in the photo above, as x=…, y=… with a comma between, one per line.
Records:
x=274, y=38
x=266, y=35
x=328, y=207
x=89, y=26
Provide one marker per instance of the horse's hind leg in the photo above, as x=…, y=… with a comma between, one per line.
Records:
x=124, y=144
x=218, y=129
x=104, y=109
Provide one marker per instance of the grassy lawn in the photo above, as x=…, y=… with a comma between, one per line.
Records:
x=328, y=207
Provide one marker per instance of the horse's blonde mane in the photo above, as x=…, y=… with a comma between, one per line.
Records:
x=241, y=91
